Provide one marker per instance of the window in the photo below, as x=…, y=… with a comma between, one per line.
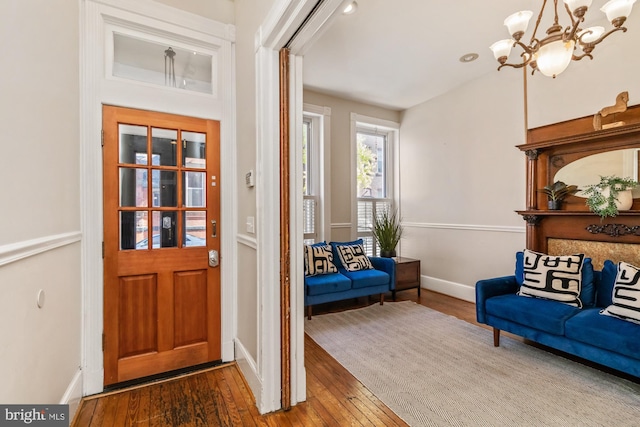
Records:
x=310, y=196
x=374, y=140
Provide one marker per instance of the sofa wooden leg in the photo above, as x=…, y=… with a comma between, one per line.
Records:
x=309, y=312
x=381, y=299
x=496, y=337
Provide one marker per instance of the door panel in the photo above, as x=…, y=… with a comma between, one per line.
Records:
x=161, y=190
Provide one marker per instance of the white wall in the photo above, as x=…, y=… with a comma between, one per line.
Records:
x=462, y=177
x=250, y=14
x=39, y=224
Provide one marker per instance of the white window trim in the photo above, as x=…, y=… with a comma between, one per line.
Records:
x=321, y=173
x=393, y=149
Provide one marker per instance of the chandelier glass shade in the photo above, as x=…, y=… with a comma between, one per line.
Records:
x=552, y=54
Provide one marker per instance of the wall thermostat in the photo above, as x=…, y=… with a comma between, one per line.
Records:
x=249, y=179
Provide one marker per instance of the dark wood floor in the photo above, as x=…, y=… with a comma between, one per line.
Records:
x=221, y=397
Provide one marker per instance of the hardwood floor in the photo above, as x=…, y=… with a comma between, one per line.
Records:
x=221, y=397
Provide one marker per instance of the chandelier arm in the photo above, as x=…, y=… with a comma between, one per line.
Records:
x=506, y=64
x=602, y=37
x=570, y=32
x=579, y=57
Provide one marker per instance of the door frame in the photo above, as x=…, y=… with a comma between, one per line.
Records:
x=96, y=19
x=286, y=17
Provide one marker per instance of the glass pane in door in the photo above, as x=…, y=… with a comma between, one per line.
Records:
x=164, y=188
x=193, y=150
x=164, y=229
x=194, y=189
x=132, y=142
x=133, y=230
x=164, y=146
x=133, y=187
x=195, y=228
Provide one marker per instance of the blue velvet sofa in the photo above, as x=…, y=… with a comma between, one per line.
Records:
x=346, y=284
x=583, y=332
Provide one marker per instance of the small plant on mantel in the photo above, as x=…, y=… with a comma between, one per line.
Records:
x=604, y=198
x=557, y=192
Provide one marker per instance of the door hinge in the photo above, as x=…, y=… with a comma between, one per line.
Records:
x=102, y=137
x=102, y=250
x=103, y=339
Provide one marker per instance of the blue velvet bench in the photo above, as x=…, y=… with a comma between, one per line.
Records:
x=344, y=284
x=583, y=332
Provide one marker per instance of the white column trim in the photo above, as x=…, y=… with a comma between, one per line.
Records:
x=285, y=18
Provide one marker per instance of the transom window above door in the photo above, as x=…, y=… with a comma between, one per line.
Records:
x=162, y=63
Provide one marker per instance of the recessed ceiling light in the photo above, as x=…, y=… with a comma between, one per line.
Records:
x=469, y=57
x=350, y=8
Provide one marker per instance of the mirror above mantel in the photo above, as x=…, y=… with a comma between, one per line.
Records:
x=587, y=170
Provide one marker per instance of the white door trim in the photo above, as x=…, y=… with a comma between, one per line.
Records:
x=95, y=90
x=285, y=18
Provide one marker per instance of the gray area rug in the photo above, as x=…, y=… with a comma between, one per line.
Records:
x=432, y=369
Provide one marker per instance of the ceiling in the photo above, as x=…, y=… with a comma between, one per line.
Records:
x=401, y=53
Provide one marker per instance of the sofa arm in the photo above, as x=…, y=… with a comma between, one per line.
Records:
x=488, y=288
x=388, y=265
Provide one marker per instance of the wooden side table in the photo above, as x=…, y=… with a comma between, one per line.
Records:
x=407, y=275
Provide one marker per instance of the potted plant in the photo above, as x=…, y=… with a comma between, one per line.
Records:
x=387, y=232
x=557, y=192
x=610, y=195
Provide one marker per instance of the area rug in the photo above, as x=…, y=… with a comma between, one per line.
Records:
x=433, y=369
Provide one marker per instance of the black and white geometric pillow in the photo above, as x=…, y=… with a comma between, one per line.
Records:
x=353, y=257
x=318, y=260
x=557, y=278
x=626, y=294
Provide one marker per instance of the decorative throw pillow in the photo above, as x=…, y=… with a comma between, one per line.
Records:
x=588, y=291
x=557, y=278
x=626, y=294
x=318, y=259
x=353, y=257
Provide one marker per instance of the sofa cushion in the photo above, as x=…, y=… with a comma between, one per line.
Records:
x=626, y=294
x=353, y=257
x=588, y=285
x=366, y=278
x=318, y=259
x=326, y=283
x=334, y=247
x=552, y=277
x=605, y=286
x=542, y=314
x=607, y=332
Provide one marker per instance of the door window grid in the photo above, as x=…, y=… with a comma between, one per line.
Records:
x=163, y=186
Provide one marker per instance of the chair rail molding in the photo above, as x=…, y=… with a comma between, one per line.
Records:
x=13, y=252
x=468, y=227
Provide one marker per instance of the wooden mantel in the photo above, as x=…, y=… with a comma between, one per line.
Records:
x=550, y=148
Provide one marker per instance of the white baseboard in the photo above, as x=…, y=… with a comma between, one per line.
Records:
x=453, y=289
x=250, y=371
x=73, y=394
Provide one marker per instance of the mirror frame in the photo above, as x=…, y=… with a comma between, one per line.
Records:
x=551, y=147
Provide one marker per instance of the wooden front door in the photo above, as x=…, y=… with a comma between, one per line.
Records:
x=161, y=226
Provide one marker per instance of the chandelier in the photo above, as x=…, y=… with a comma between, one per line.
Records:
x=552, y=54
